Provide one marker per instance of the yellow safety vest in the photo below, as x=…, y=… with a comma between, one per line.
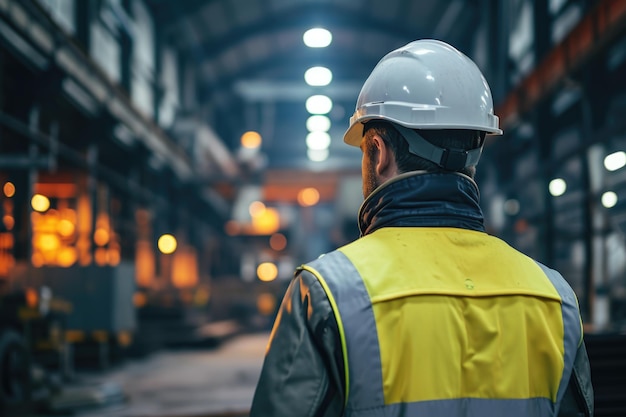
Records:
x=449, y=322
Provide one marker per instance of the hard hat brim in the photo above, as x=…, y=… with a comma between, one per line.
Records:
x=354, y=135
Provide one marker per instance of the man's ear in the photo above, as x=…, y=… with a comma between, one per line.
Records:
x=385, y=162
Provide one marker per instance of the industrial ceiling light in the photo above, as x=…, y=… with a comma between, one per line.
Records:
x=319, y=104
x=557, y=187
x=317, y=123
x=317, y=38
x=318, y=76
x=615, y=161
x=609, y=199
x=318, y=140
x=317, y=155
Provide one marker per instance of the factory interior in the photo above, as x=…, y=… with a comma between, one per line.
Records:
x=166, y=165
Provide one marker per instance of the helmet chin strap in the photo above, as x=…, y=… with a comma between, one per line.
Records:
x=448, y=159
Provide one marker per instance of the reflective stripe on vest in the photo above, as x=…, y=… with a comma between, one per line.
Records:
x=353, y=311
x=376, y=383
x=571, y=322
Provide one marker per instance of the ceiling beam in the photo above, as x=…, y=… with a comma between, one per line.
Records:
x=346, y=67
x=331, y=16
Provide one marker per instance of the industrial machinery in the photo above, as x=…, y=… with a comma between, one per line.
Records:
x=32, y=323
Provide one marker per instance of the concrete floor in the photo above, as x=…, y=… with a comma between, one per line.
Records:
x=191, y=383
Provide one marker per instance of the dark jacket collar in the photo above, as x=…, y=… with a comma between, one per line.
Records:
x=421, y=199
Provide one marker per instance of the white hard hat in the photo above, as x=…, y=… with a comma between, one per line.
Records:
x=426, y=84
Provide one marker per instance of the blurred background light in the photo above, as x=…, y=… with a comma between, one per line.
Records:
x=317, y=38
x=167, y=244
x=609, y=199
x=318, y=76
x=267, y=271
x=557, y=187
x=40, y=203
x=317, y=155
x=319, y=104
x=8, y=189
x=267, y=222
x=308, y=197
x=511, y=207
x=318, y=122
x=318, y=140
x=278, y=242
x=251, y=140
x=615, y=161
x=256, y=208
x=266, y=303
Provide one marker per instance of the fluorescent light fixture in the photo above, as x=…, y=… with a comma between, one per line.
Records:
x=317, y=155
x=318, y=76
x=609, y=199
x=317, y=38
x=319, y=104
x=318, y=140
x=615, y=161
x=557, y=187
x=317, y=123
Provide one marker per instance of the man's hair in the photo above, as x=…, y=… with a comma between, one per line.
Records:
x=444, y=138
